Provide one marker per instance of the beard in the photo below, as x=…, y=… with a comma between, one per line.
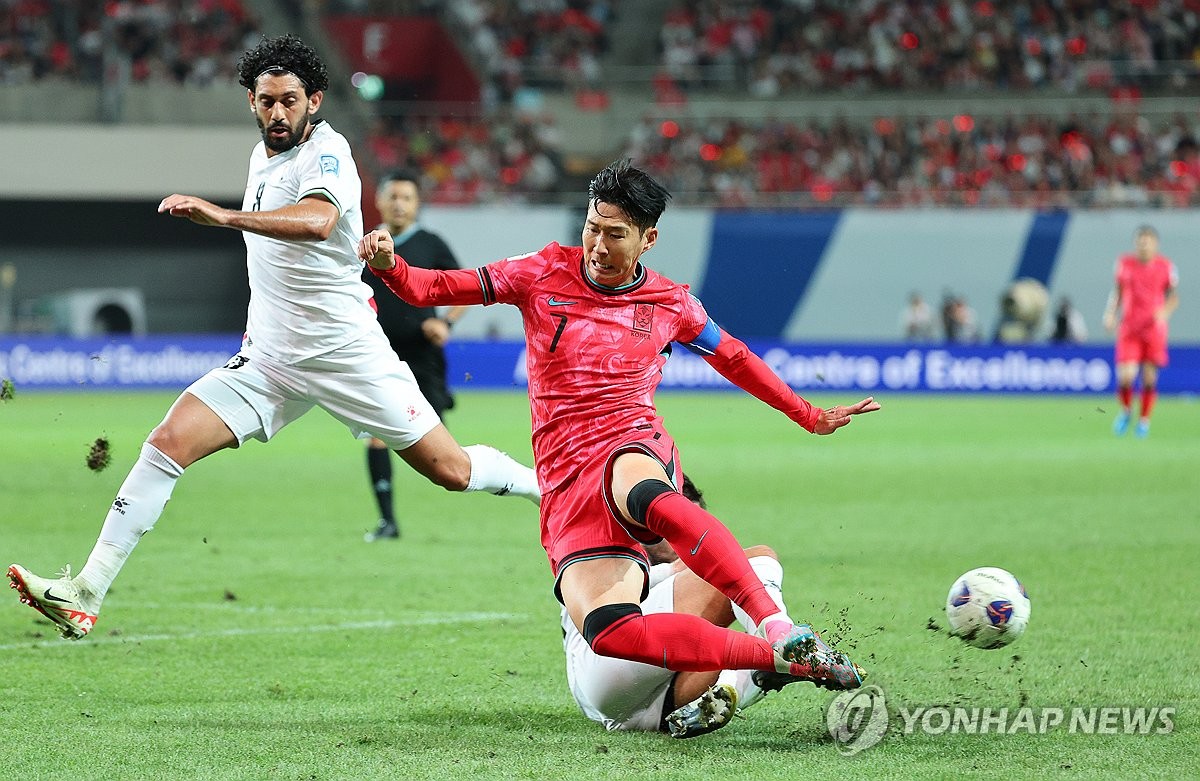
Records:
x=284, y=143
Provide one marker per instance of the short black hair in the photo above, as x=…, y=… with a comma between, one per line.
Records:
x=401, y=175
x=1142, y=230
x=283, y=54
x=692, y=493
x=632, y=190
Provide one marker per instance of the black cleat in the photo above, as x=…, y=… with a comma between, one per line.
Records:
x=387, y=530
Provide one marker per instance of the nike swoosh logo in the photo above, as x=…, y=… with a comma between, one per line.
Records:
x=696, y=549
x=52, y=598
x=555, y=302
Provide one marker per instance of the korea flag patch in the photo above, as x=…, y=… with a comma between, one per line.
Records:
x=329, y=165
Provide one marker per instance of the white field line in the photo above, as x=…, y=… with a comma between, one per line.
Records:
x=348, y=626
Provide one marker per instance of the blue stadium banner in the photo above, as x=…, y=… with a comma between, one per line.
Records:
x=61, y=363
x=172, y=362
x=869, y=368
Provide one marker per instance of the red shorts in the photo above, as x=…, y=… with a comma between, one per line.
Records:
x=1148, y=345
x=580, y=519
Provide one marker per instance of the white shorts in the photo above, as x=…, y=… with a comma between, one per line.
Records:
x=363, y=384
x=618, y=693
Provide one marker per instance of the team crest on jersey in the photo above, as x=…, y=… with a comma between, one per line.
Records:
x=329, y=165
x=643, y=318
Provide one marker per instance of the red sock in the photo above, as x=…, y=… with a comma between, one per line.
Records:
x=683, y=643
x=1125, y=396
x=711, y=551
x=1149, y=396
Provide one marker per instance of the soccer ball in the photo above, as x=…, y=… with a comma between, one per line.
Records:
x=987, y=608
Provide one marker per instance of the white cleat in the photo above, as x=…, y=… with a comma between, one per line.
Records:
x=710, y=711
x=71, y=608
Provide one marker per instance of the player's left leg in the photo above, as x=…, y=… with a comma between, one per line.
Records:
x=600, y=595
x=1149, y=397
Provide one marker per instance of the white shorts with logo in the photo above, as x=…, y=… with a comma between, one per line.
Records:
x=618, y=693
x=363, y=384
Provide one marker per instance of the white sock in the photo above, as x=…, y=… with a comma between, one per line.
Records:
x=138, y=504
x=497, y=473
x=770, y=572
x=747, y=692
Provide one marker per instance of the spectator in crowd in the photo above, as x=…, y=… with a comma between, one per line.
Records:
x=1069, y=326
x=917, y=319
x=958, y=319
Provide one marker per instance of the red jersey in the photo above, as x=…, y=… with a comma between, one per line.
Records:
x=594, y=355
x=1143, y=288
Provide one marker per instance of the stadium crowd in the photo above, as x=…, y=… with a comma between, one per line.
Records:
x=1116, y=159
x=773, y=47
x=535, y=42
x=190, y=41
x=1120, y=158
x=472, y=159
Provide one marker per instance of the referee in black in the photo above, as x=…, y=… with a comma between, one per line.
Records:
x=417, y=334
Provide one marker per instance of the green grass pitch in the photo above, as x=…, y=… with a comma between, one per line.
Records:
x=254, y=635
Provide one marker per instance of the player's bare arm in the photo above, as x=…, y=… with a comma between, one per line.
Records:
x=1170, y=304
x=312, y=219
x=1110, y=310
x=378, y=250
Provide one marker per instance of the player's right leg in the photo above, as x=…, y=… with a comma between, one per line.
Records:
x=1126, y=372
x=190, y=431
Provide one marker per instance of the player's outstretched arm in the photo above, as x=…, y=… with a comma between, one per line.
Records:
x=312, y=219
x=418, y=286
x=736, y=363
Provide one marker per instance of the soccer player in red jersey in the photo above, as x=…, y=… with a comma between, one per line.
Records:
x=1145, y=295
x=598, y=329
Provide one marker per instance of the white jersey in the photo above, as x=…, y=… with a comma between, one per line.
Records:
x=306, y=297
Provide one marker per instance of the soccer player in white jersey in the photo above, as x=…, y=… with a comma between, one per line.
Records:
x=627, y=695
x=312, y=339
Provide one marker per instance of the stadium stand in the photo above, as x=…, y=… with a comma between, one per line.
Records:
x=1120, y=158
x=774, y=47
x=157, y=40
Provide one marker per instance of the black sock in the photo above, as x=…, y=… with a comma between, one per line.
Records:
x=379, y=465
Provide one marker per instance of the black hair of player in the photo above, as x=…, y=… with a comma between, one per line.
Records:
x=632, y=190
x=283, y=54
x=1146, y=230
x=692, y=493
x=401, y=175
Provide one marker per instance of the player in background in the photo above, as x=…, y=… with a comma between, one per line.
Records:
x=417, y=334
x=1141, y=303
x=625, y=695
x=312, y=339
x=598, y=329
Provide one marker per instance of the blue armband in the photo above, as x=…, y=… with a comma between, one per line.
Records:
x=706, y=343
